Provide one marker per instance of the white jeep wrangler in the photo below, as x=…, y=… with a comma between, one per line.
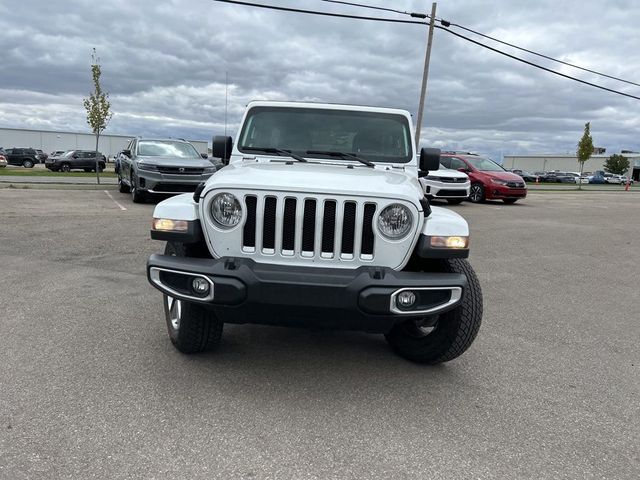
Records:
x=318, y=220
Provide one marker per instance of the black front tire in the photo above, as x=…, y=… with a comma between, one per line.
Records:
x=138, y=196
x=122, y=188
x=451, y=333
x=65, y=167
x=477, y=195
x=197, y=329
x=455, y=201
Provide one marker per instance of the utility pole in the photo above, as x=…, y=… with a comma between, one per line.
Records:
x=226, y=99
x=425, y=74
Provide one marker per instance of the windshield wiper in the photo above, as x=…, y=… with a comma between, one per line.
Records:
x=350, y=156
x=277, y=151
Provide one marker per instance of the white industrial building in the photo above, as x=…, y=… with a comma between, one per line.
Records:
x=49, y=141
x=566, y=163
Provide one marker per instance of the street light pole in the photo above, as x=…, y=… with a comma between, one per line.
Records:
x=425, y=74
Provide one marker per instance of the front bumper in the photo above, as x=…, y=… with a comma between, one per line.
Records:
x=156, y=182
x=437, y=189
x=365, y=299
x=495, y=191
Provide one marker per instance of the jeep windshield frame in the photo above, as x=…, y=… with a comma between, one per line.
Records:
x=316, y=133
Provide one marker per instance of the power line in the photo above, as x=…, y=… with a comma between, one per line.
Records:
x=314, y=12
x=446, y=23
x=543, y=56
x=373, y=7
x=378, y=19
x=536, y=65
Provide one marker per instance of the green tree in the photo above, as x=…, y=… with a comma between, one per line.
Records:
x=617, y=164
x=585, y=149
x=97, y=105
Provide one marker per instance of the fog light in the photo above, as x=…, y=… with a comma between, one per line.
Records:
x=200, y=286
x=406, y=299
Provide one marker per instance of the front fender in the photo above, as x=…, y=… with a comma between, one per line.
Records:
x=445, y=222
x=442, y=223
x=181, y=207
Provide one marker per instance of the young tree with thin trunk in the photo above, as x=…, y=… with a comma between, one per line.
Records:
x=584, y=151
x=98, y=107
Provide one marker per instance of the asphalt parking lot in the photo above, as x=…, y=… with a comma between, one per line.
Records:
x=92, y=388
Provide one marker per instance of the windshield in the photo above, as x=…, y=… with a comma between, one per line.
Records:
x=319, y=133
x=166, y=148
x=484, y=164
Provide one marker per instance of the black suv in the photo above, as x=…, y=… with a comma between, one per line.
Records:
x=76, y=160
x=27, y=157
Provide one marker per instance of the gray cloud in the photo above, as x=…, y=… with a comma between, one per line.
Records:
x=164, y=65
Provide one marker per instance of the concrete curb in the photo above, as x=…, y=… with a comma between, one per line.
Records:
x=56, y=186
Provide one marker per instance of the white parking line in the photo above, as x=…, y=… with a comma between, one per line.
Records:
x=114, y=200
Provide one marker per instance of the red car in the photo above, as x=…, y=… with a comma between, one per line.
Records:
x=489, y=181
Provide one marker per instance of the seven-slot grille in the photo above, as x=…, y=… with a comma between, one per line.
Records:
x=309, y=227
x=515, y=184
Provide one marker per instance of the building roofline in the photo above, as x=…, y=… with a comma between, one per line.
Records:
x=566, y=155
x=40, y=130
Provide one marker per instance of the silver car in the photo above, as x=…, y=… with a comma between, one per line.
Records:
x=166, y=166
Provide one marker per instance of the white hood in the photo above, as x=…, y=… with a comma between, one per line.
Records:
x=314, y=177
x=447, y=172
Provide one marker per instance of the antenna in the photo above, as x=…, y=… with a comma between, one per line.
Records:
x=226, y=99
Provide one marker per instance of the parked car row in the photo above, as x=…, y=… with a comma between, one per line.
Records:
x=556, y=176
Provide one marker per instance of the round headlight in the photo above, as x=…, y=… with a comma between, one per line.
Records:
x=394, y=222
x=226, y=210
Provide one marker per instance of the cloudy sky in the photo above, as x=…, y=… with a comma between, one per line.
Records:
x=164, y=64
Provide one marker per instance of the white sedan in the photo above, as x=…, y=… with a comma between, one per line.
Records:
x=451, y=185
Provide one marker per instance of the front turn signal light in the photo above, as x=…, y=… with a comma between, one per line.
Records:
x=450, y=242
x=168, y=225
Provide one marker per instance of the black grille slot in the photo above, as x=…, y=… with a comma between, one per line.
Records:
x=348, y=227
x=269, y=225
x=173, y=187
x=309, y=225
x=367, y=229
x=452, y=193
x=249, y=232
x=329, y=226
x=180, y=170
x=289, y=224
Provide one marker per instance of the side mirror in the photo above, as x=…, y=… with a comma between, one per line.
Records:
x=221, y=148
x=75, y=155
x=127, y=153
x=204, y=155
x=463, y=169
x=429, y=159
